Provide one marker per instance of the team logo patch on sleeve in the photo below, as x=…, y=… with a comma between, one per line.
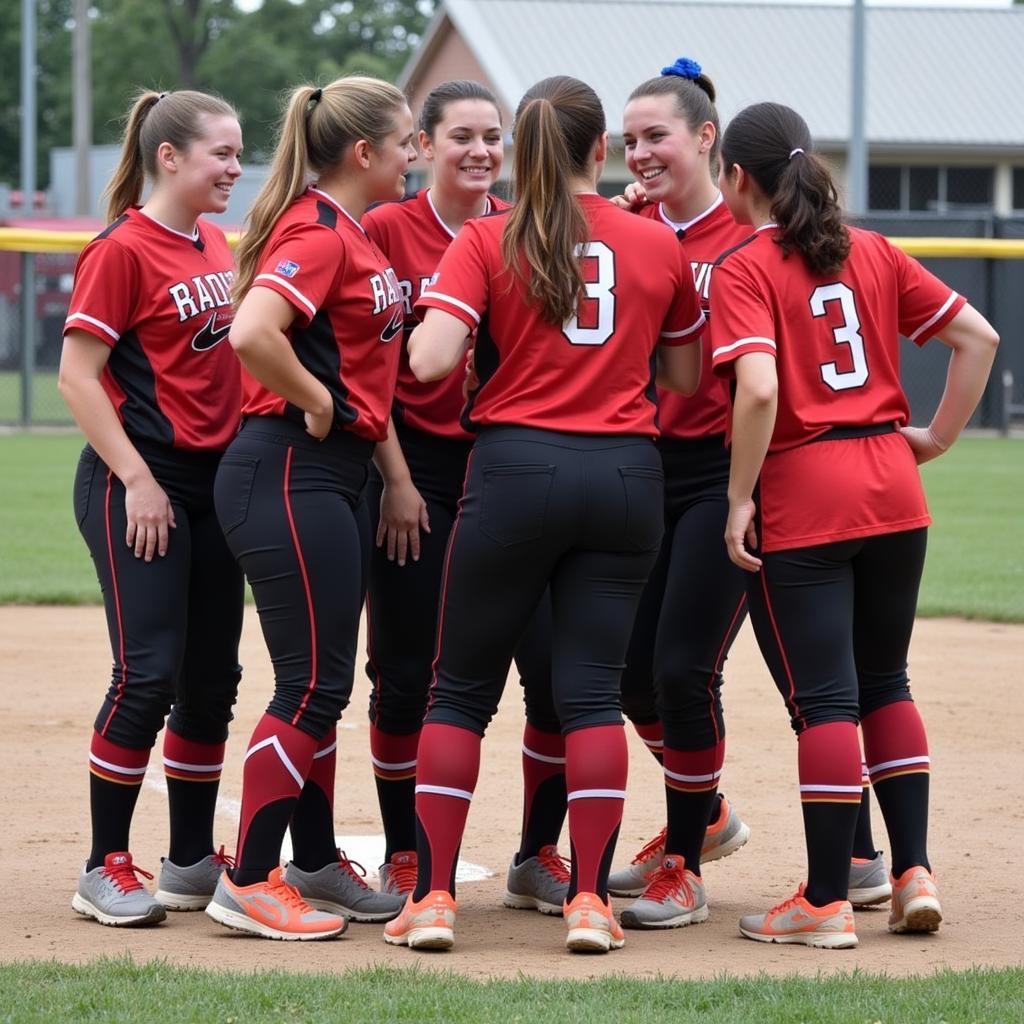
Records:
x=287, y=268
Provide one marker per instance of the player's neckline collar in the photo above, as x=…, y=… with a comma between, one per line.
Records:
x=192, y=239
x=676, y=225
x=334, y=202
x=440, y=220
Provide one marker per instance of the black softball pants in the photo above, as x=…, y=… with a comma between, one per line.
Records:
x=174, y=622
x=693, y=605
x=834, y=622
x=287, y=504
x=579, y=513
x=402, y=601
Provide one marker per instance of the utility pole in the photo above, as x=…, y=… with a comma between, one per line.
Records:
x=81, y=66
x=857, y=155
x=28, y=195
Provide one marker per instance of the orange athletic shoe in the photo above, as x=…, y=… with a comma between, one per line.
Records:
x=915, y=902
x=591, y=924
x=797, y=921
x=273, y=909
x=429, y=924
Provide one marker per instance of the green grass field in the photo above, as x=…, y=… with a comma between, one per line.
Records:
x=975, y=563
x=118, y=990
x=47, y=405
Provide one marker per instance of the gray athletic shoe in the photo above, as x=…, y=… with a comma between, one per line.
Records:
x=674, y=897
x=191, y=887
x=725, y=835
x=337, y=889
x=114, y=896
x=869, y=881
x=272, y=909
x=539, y=883
x=398, y=875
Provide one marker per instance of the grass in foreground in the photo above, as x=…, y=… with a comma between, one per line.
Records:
x=975, y=562
x=109, y=990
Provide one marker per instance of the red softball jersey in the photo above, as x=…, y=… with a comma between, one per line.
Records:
x=835, y=339
x=706, y=237
x=161, y=300
x=413, y=236
x=595, y=373
x=347, y=329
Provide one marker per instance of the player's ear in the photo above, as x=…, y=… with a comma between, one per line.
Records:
x=426, y=145
x=601, y=148
x=166, y=157
x=706, y=136
x=362, y=150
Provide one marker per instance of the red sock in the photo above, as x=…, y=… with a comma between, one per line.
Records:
x=543, y=789
x=277, y=764
x=393, y=756
x=321, y=771
x=448, y=763
x=654, y=739
x=694, y=771
x=191, y=761
x=595, y=775
x=117, y=764
x=895, y=742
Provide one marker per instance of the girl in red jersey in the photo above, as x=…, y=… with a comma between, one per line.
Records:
x=826, y=511
x=563, y=488
x=156, y=395
x=412, y=501
x=695, y=600
x=318, y=328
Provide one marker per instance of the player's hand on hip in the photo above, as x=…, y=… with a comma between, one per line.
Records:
x=740, y=535
x=150, y=518
x=403, y=513
x=924, y=443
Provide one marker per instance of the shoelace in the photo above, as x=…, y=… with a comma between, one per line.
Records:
x=556, y=865
x=655, y=844
x=791, y=902
x=123, y=876
x=665, y=881
x=403, y=876
x=350, y=866
x=220, y=857
x=288, y=895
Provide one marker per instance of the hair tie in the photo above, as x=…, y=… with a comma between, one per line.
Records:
x=684, y=67
x=315, y=98
x=793, y=152
x=160, y=97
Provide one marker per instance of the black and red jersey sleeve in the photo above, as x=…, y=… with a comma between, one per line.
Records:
x=685, y=317
x=926, y=304
x=742, y=322
x=461, y=284
x=302, y=265
x=103, y=298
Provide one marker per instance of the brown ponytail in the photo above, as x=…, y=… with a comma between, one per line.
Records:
x=157, y=117
x=772, y=144
x=317, y=128
x=556, y=126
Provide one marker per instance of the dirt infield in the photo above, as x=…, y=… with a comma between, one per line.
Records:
x=967, y=681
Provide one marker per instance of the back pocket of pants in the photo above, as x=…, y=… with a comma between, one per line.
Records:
x=87, y=465
x=515, y=502
x=232, y=490
x=645, y=506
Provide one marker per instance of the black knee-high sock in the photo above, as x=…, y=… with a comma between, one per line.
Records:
x=691, y=794
x=863, y=840
x=115, y=781
x=312, y=824
x=394, y=771
x=192, y=772
x=544, y=805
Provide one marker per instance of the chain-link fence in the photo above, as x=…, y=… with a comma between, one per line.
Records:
x=28, y=387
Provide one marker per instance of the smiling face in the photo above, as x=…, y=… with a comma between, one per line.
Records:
x=391, y=158
x=466, y=147
x=663, y=153
x=205, y=172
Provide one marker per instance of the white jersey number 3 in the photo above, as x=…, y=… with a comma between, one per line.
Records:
x=599, y=291
x=847, y=333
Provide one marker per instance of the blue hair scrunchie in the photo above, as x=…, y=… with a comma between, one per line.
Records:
x=684, y=67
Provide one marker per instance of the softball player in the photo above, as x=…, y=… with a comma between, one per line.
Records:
x=826, y=510
x=563, y=488
x=413, y=503
x=695, y=601
x=156, y=394
x=317, y=330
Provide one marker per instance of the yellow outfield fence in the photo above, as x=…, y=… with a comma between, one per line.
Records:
x=21, y=240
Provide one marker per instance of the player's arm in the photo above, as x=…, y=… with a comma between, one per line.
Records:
x=973, y=341
x=258, y=336
x=437, y=345
x=403, y=512
x=679, y=367
x=148, y=509
x=753, y=421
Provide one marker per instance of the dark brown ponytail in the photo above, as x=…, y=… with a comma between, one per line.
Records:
x=557, y=123
x=772, y=144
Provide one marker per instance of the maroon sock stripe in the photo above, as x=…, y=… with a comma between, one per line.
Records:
x=829, y=764
x=117, y=609
x=311, y=686
x=653, y=736
x=393, y=757
x=895, y=742
x=191, y=761
x=694, y=771
x=118, y=764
